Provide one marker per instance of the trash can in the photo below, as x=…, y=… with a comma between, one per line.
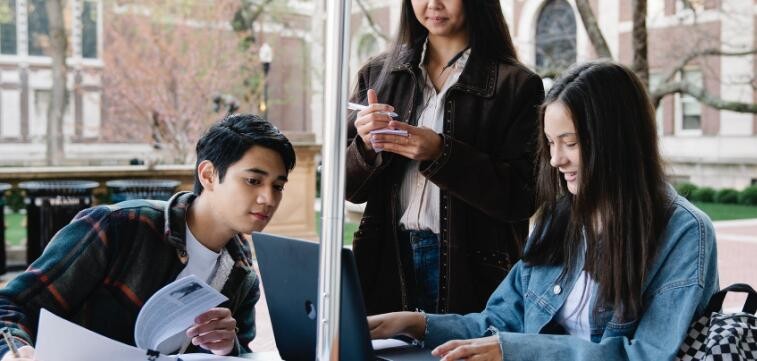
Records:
x=50, y=205
x=3, y=263
x=125, y=189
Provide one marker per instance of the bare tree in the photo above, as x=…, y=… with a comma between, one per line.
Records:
x=164, y=64
x=592, y=29
x=371, y=23
x=245, y=17
x=640, y=62
x=57, y=48
x=243, y=22
x=668, y=85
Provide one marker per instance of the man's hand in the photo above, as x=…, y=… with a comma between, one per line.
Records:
x=479, y=349
x=388, y=325
x=214, y=331
x=420, y=143
x=25, y=353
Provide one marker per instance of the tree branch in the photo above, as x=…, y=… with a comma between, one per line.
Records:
x=640, y=60
x=702, y=53
x=592, y=29
x=687, y=5
x=702, y=96
x=371, y=23
x=259, y=10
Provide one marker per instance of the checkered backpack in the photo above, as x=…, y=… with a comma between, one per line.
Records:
x=719, y=336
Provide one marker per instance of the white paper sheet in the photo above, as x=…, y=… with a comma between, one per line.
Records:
x=382, y=344
x=171, y=311
x=61, y=340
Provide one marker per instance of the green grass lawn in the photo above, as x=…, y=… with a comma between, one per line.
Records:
x=15, y=229
x=349, y=229
x=722, y=212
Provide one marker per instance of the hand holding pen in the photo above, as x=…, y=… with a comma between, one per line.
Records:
x=25, y=353
x=381, y=133
x=372, y=117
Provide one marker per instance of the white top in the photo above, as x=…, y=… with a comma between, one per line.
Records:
x=201, y=261
x=419, y=198
x=574, y=314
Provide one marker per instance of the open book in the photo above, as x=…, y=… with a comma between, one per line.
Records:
x=159, y=330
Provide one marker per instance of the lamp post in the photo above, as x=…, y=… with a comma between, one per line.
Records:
x=266, y=57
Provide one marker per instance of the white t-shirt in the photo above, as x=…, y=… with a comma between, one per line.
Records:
x=574, y=314
x=202, y=262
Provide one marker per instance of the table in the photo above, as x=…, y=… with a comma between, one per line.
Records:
x=262, y=356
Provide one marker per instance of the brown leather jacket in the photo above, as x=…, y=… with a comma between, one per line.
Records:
x=485, y=175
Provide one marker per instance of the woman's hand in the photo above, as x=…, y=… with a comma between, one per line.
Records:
x=25, y=353
x=372, y=118
x=420, y=143
x=388, y=325
x=483, y=349
x=214, y=331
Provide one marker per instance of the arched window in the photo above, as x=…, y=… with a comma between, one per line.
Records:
x=555, y=38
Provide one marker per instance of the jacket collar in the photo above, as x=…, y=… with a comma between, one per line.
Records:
x=174, y=230
x=479, y=76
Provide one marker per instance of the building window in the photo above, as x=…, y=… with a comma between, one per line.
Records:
x=38, y=124
x=555, y=38
x=8, y=27
x=89, y=29
x=691, y=110
x=38, y=29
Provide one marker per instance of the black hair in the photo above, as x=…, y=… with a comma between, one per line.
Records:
x=622, y=206
x=227, y=141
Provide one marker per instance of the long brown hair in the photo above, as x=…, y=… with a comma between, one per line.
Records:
x=622, y=204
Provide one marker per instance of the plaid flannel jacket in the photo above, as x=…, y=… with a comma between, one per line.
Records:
x=101, y=268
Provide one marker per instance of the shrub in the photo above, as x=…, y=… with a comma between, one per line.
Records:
x=685, y=189
x=748, y=196
x=704, y=194
x=727, y=195
x=14, y=200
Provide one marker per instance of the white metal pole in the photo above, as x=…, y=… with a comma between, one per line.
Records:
x=332, y=173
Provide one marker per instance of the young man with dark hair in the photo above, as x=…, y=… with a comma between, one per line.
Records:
x=99, y=270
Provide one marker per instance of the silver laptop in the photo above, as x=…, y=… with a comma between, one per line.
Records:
x=289, y=269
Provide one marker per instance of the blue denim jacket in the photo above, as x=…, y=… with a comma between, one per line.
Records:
x=679, y=284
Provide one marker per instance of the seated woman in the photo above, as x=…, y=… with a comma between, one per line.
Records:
x=617, y=266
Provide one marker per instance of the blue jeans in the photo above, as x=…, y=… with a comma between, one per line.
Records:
x=425, y=250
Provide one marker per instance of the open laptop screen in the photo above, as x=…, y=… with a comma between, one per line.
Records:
x=289, y=270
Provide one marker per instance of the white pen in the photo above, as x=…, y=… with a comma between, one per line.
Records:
x=9, y=341
x=356, y=106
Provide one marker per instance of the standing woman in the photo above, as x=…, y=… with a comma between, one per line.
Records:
x=618, y=264
x=447, y=205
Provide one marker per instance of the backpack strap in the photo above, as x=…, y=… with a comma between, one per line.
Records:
x=716, y=302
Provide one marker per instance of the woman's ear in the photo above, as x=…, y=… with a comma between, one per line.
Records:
x=206, y=174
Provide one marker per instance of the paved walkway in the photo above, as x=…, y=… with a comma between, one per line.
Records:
x=737, y=256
